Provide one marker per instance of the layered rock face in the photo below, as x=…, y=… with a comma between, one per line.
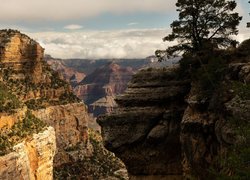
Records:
x=99, y=88
x=207, y=126
x=144, y=131
x=31, y=159
x=69, y=74
x=70, y=123
x=18, y=53
x=34, y=87
x=166, y=127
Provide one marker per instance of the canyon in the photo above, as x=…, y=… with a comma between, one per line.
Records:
x=99, y=88
x=171, y=122
x=105, y=78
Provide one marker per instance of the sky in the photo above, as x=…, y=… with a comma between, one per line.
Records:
x=94, y=29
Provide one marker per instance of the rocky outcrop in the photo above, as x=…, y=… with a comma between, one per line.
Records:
x=144, y=131
x=99, y=88
x=19, y=52
x=169, y=127
x=34, y=87
x=30, y=159
x=8, y=120
x=70, y=123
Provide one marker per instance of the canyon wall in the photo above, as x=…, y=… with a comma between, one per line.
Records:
x=29, y=87
x=147, y=123
x=31, y=159
x=170, y=126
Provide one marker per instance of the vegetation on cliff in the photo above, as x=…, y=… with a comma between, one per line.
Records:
x=23, y=129
x=8, y=101
x=220, y=81
x=101, y=165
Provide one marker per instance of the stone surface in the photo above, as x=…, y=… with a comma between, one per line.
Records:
x=144, y=130
x=8, y=120
x=31, y=159
x=70, y=123
x=165, y=127
x=18, y=51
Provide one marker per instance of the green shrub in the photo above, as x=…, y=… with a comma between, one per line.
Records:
x=68, y=97
x=101, y=165
x=35, y=104
x=234, y=164
x=209, y=76
x=243, y=90
x=8, y=101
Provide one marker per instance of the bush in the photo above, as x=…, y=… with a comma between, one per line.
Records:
x=8, y=101
x=209, y=76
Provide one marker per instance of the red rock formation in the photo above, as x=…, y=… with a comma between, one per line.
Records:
x=100, y=87
x=69, y=74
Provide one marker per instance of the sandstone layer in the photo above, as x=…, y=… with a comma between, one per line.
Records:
x=70, y=123
x=147, y=123
x=28, y=84
x=31, y=159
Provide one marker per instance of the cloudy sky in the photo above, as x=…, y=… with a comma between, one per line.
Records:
x=98, y=28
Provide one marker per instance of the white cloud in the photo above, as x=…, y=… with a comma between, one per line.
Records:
x=132, y=23
x=102, y=44
x=33, y=10
x=73, y=27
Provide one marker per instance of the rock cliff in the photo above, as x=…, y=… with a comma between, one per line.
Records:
x=147, y=123
x=31, y=159
x=29, y=86
x=43, y=125
x=171, y=125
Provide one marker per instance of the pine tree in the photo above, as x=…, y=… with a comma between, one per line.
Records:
x=248, y=24
x=202, y=24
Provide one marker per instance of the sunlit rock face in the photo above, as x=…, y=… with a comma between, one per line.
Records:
x=20, y=53
x=31, y=159
x=44, y=93
x=70, y=122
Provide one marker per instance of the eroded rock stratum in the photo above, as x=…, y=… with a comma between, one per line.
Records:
x=34, y=97
x=174, y=127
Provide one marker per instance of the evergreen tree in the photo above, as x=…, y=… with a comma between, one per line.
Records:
x=202, y=24
x=248, y=24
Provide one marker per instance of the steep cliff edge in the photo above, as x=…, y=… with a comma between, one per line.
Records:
x=147, y=123
x=31, y=159
x=28, y=77
x=171, y=124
